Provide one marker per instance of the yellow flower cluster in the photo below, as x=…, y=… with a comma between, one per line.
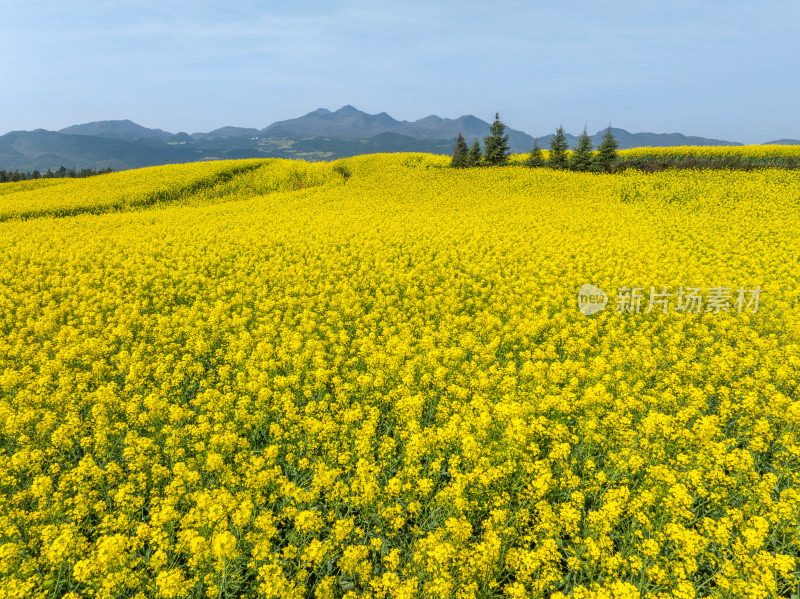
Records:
x=262, y=378
x=179, y=183
x=767, y=153
x=17, y=186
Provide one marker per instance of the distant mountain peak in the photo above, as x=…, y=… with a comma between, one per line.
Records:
x=118, y=129
x=430, y=119
x=346, y=123
x=783, y=142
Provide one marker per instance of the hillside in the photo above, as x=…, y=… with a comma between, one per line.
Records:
x=318, y=135
x=223, y=379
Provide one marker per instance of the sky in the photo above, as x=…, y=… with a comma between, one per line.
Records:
x=724, y=70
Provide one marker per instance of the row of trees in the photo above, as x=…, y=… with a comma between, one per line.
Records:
x=496, y=148
x=496, y=151
x=7, y=176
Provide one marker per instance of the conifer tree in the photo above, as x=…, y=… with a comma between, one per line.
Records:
x=558, y=150
x=535, y=158
x=606, y=153
x=474, y=155
x=495, y=146
x=460, y=153
x=581, y=159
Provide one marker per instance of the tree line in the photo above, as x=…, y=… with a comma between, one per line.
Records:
x=496, y=151
x=12, y=176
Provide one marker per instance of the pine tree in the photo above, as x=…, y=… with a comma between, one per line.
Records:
x=496, y=149
x=460, y=153
x=606, y=153
x=535, y=158
x=474, y=155
x=558, y=150
x=581, y=159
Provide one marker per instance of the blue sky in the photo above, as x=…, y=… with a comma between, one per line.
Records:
x=717, y=69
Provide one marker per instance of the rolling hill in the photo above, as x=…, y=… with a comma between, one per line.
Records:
x=319, y=135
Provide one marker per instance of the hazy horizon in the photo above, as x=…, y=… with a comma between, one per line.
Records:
x=718, y=70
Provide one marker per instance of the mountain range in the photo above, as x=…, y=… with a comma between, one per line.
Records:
x=318, y=135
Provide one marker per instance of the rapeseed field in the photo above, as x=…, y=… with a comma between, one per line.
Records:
x=273, y=378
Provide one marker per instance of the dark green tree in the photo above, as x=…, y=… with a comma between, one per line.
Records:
x=581, y=159
x=606, y=153
x=460, y=153
x=495, y=146
x=475, y=155
x=535, y=158
x=558, y=150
